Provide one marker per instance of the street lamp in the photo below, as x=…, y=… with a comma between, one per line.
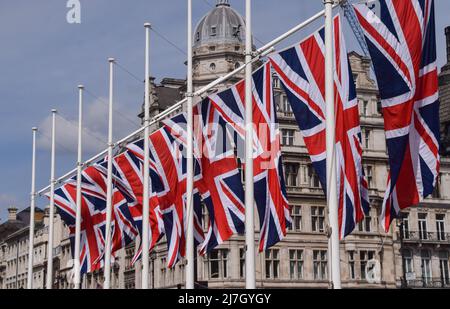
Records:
x=401, y=226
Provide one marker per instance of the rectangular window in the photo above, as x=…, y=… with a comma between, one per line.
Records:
x=406, y=233
x=242, y=262
x=365, y=108
x=296, y=215
x=320, y=264
x=443, y=267
x=366, y=138
x=426, y=266
x=423, y=234
x=272, y=260
x=318, y=219
x=291, y=171
x=364, y=257
x=364, y=225
x=287, y=137
x=408, y=260
x=296, y=264
x=217, y=264
x=351, y=264
x=440, y=226
x=369, y=176
x=314, y=178
x=213, y=31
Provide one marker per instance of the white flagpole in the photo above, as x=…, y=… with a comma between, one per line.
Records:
x=49, y=282
x=330, y=141
x=32, y=211
x=76, y=259
x=190, y=244
x=250, y=278
x=107, y=269
x=146, y=182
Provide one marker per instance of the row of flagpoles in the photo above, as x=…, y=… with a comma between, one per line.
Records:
x=250, y=58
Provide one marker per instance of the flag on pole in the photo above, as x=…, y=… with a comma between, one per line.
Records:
x=93, y=215
x=221, y=182
x=300, y=69
x=269, y=188
x=402, y=44
x=171, y=164
x=128, y=179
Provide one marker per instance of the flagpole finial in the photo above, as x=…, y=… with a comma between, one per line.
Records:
x=80, y=87
x=111, y=60
x=54, y=111
x=147, y=25
x=34, y=129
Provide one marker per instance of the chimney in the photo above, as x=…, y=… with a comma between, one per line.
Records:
x=12, y=214
x=447, y=34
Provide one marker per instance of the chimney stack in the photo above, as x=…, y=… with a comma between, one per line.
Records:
x=447, y=34
x=12, y=214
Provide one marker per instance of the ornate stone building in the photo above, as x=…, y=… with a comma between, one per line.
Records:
x=444, y=89
x=417, y=257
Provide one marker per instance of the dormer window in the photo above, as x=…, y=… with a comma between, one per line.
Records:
x=197, y=36
x=213, y=31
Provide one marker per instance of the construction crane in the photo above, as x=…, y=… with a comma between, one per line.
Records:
x=350, y=15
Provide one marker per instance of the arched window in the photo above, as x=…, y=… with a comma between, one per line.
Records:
x=237, y=65
x=212, y=66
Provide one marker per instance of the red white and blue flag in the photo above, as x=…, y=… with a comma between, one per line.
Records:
x=220, y=185
x=402, y=44
x=93, y=217
x=128, y=173
x=302, y=74
x=169, y=160
x=270, y=193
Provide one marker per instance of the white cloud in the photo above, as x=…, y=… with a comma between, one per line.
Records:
x=95, y=123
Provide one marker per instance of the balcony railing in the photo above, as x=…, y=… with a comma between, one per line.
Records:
x=423, y=237
x=429, y=283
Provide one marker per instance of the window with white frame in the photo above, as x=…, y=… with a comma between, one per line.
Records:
x=406, y=226
x=443, y=267
x=216, y=264
x=408, y=261
x=296, y=264
x=318, y=219
x=365, y=108
x=426, y=266
x=296, y=215
x=287, y=137
x=320, y=264
x=272, y=260
x=422, y=220
x=440, y=226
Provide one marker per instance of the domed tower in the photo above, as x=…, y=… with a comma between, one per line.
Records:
x=219, y=45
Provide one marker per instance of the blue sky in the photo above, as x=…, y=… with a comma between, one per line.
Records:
x=43, y=59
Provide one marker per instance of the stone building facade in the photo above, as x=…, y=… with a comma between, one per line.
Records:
x=414, y=253
x=444, y=89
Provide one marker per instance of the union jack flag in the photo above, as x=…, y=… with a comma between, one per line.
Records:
x=270, y=193
x=93, y=217
x=301, y=71
x=402, y=44
x=170, y=163
x=220, y=185
x=128, y=172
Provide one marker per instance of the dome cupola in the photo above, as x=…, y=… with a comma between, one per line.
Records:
x=222, y=25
